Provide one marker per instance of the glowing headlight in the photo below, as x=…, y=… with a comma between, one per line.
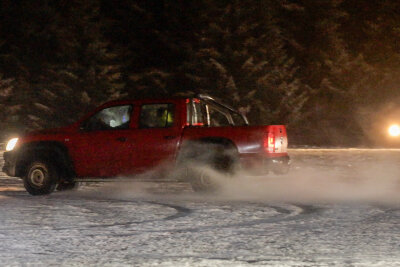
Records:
x=394, y=130
x=11, y=144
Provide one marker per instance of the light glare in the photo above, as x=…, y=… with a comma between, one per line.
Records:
x=394, y=130
x=11, y=144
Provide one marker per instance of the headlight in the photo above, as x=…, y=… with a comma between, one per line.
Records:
x=11, y=144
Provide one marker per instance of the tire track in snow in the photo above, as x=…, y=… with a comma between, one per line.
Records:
x=284, y=215
x=180, y=212
x=99, y=207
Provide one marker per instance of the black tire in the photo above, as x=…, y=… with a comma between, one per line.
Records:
x=67, y=186
x=201, y=181
x=40, y=178
x=205, y=158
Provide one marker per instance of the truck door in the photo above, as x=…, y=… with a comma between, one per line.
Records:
x=157, y=135
x=102, y=148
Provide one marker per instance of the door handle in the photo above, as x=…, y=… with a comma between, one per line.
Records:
x=169, y=137
x=121, y=139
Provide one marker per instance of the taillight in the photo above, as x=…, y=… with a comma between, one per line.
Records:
x=269, y=143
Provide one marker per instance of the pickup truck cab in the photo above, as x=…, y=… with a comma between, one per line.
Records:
x=125, y=137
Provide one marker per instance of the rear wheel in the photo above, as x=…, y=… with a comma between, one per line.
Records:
x=206, y=163
x=202, y=181
x=40, y=178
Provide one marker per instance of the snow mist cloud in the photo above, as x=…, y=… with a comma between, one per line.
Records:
x=316, y=176
x=325, y=176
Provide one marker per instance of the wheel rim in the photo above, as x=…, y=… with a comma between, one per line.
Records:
x=205, y=179
x=37, y=177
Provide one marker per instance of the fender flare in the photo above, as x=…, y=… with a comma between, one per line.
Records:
x=187, y=147
x=52, y=151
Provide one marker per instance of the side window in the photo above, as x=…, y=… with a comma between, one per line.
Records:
x=156, y=116
x=217, y=118
x=112, y=118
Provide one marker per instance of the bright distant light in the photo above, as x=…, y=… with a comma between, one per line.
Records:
x=394, y=130
x=11, y=144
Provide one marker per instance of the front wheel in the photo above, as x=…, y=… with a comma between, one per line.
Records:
x=40, y=178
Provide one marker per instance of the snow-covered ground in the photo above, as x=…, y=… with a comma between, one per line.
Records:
x=335, y=208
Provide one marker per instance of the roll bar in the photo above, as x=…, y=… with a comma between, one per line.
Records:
x=208, y=98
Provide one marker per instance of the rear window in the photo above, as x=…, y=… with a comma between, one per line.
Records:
x=195, y=113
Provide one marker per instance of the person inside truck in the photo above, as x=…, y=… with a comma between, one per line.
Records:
x=164, y=117
x=156, y=116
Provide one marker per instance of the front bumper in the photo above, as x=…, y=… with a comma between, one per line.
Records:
x=9, y=163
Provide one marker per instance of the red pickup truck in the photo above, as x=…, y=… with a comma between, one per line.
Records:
x=131, y=136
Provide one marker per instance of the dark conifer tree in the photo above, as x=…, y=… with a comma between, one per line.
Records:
x=58, y=58
x=240, y=57
x=154, y=37
x=335, y=78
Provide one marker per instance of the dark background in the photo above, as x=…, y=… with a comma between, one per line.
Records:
x=328, y=69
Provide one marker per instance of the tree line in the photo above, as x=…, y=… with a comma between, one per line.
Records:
x=327, y=69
